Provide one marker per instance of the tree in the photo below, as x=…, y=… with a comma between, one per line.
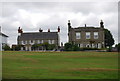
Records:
x=118, y=47
x=6, y=47
x=109, y=40
x=51, y=46
x=71, y=47
x=18, y=47
x=45, y=45
x=76, y=48
x=68, y=47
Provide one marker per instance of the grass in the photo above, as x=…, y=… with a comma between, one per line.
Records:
x=60, y=65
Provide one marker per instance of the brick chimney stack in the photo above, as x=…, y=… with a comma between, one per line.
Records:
x=58, y=28
x=20, y=31
x=40, y=30
x=48, y=30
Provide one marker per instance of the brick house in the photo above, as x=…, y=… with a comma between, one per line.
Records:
x=91, y=37
x=27, y=39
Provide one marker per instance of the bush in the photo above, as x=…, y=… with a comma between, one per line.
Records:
x=71, y=47
x=6, y=47
x=83, y=49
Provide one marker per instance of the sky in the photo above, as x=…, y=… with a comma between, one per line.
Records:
x=31, y=16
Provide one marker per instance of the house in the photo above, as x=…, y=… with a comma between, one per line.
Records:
x=28, y=39
x=3, y=40
x=90, y=37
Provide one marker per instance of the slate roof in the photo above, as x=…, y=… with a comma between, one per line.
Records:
x=3, y=34
x=38, y=35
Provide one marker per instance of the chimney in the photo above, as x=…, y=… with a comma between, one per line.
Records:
x=102, y=24
x=48, y=30
x=69, y=25
x=58, y=28
x=40, y=30
x=20, y=31
x=85, y=25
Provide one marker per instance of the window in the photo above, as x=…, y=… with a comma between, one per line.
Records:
x=87, y=35
x=81, y=45
x=49, y=41
x=25, y=42
x=95, y=35
x=41, y=41
x=53, y=41
x=78, y=35
x=38, y=42
x=29, y=41
x=32, y=41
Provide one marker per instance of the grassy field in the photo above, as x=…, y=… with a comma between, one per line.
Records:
x=60, y=65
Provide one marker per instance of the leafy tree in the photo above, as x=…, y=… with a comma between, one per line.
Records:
x=76, y=48
x=109, y=40
x=36, y=46
x=45, y=45
x=71, y=47
x=118, y=47
x=51, y=46
x=68, y=47
x=6, y=47
x=18, y=47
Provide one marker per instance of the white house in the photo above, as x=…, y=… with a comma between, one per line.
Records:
x=3, y=40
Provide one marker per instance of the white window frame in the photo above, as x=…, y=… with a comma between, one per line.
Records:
x=88, y=34
x=53, y=41
x=78, y=35
x=96, y=35
x=49, y=41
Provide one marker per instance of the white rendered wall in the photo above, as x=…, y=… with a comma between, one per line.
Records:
x=4, y=39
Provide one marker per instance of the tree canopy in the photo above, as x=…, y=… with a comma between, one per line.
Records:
x=109, y=40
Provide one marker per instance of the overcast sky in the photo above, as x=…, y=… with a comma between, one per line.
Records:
x=34, y=15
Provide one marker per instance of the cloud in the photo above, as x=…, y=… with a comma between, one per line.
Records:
x=34, y=15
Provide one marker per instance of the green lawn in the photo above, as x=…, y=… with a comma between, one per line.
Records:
x=60, y=65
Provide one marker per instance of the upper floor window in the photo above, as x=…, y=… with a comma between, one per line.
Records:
x=25, y=42
x=87, y=35
x=38, y=42
x=31, y=41
x=49, y=41
x=95, y=35
x=78, y=35
x=53, y=41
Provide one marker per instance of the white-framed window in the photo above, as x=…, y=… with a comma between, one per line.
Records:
x=78, y=35
x=38, y=41
x=95, y=35
x=32, y=41
x=26, y=42
x=29, y=41
x=53, y=41
x=49, y=41
x=81, y=45
x=42, y=41
x=78, y=45
x=87, y=35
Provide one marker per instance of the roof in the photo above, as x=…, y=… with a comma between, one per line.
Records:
x=38, y=35
x=3, y=34
x=87, y=28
